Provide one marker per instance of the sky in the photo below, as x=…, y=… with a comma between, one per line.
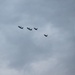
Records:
x=24, y=52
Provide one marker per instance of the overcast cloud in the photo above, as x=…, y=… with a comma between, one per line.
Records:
x=24, y=52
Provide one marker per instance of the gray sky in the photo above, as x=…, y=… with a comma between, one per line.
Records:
x=24, y=52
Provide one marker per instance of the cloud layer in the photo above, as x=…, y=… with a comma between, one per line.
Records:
x=24, y=52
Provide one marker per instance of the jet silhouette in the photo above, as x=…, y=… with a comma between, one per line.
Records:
x=45, y=35
x=29, y=28
x=20, y=27
x=35, y=28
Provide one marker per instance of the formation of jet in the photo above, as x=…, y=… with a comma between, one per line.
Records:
x=31, y=30
x=20, y=27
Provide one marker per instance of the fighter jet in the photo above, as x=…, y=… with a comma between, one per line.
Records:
x=35, y=28
x=29, y=28
x=45, y=35
x=20, y=27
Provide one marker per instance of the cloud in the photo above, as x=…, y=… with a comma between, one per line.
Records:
x=29, y=52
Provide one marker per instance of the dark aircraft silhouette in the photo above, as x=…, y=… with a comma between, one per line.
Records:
x=45, y=35
x=20, y=27
x=29, y=28
x=35, y=28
